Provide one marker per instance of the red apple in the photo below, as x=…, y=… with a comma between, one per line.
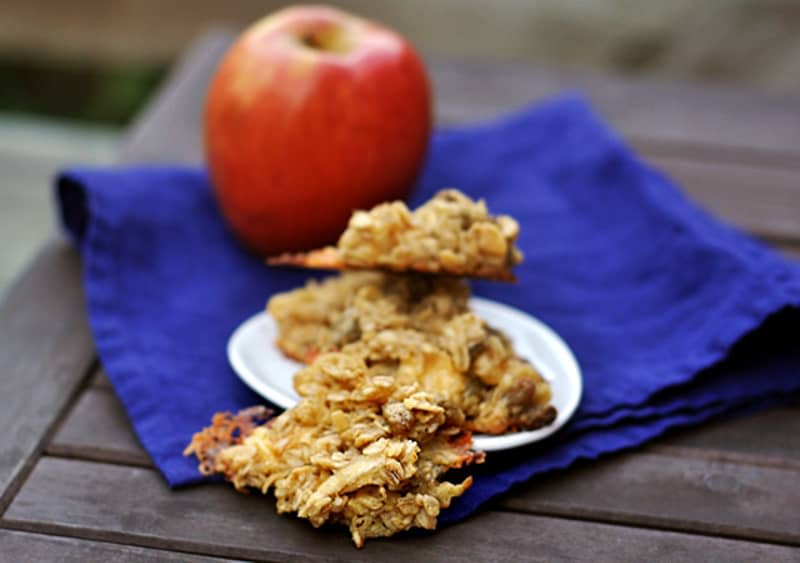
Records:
x=313, y=113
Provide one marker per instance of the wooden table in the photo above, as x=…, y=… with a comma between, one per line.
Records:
x=75, y=483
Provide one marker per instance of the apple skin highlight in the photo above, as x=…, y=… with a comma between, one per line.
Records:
x=311, y=114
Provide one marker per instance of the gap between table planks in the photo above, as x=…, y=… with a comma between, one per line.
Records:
x=26, y=546
x=170, y=129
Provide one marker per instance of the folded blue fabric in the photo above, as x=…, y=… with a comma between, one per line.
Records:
x=650, y=291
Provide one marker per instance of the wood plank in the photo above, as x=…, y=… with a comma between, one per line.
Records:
x=97, y=429
x=791, y=251
x=762, y=199
x=769, y=438
x=45, y=353
x=24, y=546
x=662, y=116
x=132, y=505
x=697, y=495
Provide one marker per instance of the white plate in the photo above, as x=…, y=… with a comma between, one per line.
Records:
x=264, y=368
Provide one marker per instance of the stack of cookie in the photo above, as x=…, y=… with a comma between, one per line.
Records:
x=400, y=372
x=409, y=313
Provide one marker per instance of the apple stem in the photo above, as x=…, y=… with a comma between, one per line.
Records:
x=311, y=40
x=330, y=40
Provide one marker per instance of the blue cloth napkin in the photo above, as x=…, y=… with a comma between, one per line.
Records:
x=651, y=292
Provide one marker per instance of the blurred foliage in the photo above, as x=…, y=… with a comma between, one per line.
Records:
x=110, y=94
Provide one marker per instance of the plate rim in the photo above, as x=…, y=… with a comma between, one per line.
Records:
x=554, y=341
x=255, y=383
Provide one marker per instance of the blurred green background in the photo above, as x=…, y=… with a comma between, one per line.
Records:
x=104, y=92
x=74, y=74
x=98, y=60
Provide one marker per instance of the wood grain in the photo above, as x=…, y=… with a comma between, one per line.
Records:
x=698, y=495
x=98, y=429
x=770, y=438
x=24, y=546
x=132, y=505
x=791, y=251
x=661, y=116
x=762, y=199
x=45, y=353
